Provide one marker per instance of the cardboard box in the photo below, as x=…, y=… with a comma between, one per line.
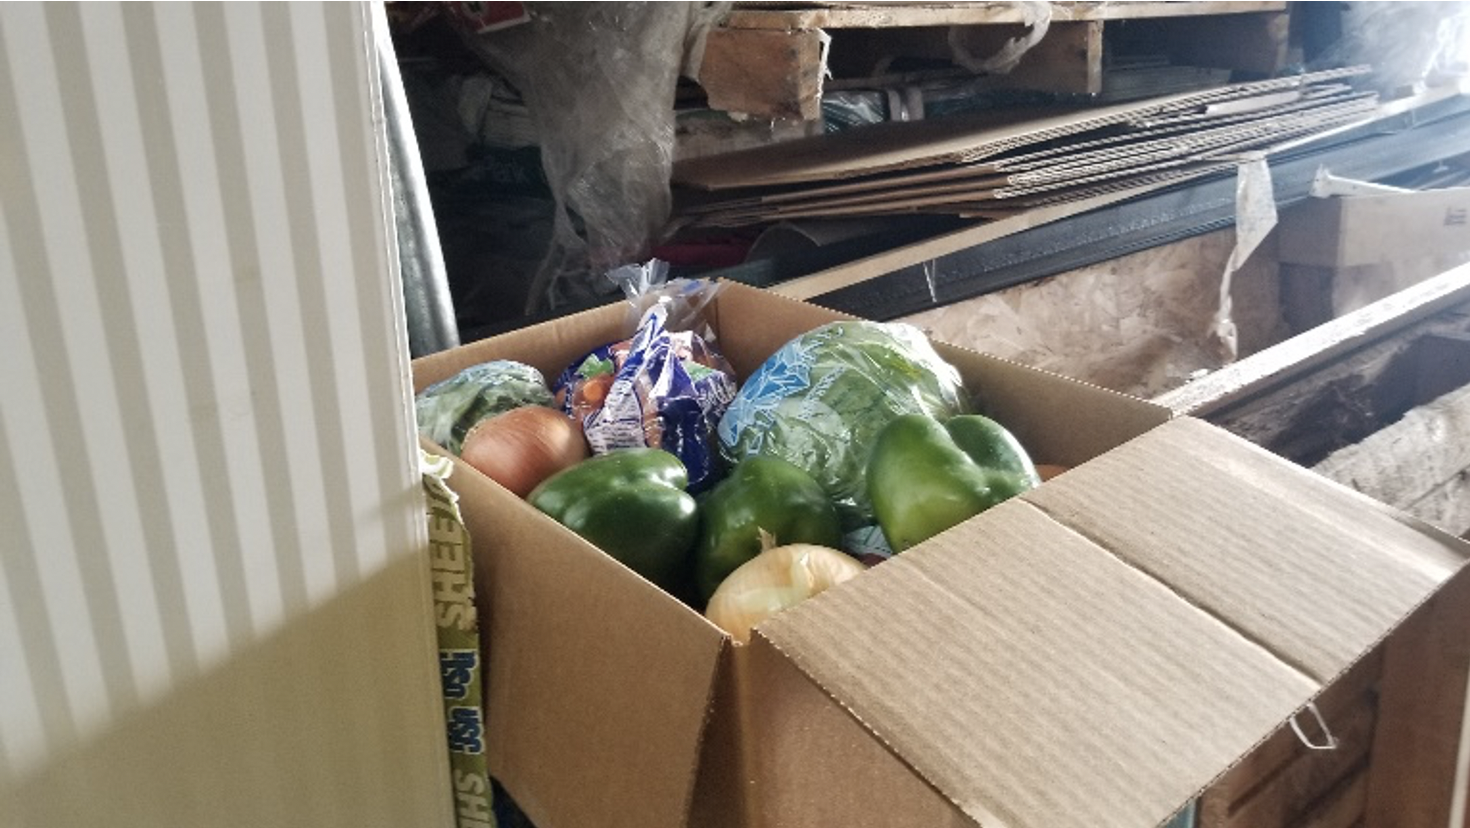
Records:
x=1095, y=652
x=1350, y=231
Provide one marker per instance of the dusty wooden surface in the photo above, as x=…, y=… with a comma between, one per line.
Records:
x=1285, y=361
x=1419, y=464
x=768, y=74
x=1312, y=415
x=748, y=71
x=886, y=15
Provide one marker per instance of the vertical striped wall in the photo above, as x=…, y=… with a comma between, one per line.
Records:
x=211, y=607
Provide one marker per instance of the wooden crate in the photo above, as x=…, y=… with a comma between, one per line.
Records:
x=771, y=60
x=1380, y=401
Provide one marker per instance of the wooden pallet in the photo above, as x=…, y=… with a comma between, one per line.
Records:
x=771, y=60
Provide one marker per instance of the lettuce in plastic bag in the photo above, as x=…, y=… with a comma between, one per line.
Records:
x=820, y=401
x=448, y=409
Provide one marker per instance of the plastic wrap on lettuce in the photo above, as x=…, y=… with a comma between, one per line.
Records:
x=448, y=409
x=820, y=401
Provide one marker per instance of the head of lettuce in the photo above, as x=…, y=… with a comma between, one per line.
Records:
x=820, y=401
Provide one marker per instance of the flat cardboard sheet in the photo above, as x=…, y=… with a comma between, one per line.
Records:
x=1051, y=160
x=1079, y=167
x=1052, y=669
x=896, y=146
x=1069, y=152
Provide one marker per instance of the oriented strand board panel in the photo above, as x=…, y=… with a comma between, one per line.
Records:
x=214, y=606
x=1136, y=324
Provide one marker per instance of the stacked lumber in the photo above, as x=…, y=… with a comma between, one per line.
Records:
x=994, y=165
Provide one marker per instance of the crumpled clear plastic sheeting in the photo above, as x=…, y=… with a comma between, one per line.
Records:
x=1036, y=15
x=820, y=401
x=599, y=80
x=1405, y=42
x=1255, y=218
x=687, y=301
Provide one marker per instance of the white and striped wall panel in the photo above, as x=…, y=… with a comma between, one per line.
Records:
x=212, y=599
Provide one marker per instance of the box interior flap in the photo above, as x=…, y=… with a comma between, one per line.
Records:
x=1049, y=669
x=564, y=621
x=1058, y=419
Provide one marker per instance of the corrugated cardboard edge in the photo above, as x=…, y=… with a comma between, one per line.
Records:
x=977, y=146
x=902, y=182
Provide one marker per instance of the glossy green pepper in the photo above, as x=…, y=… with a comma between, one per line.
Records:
x=632, y=504
x=762, y=493
x=925, y=476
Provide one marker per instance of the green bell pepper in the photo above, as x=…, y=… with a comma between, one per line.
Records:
x=925, y=476
x=761, y=493
x=632, y=504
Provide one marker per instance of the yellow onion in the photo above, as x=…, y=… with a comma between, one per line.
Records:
x=524, y=446
x=774, y=580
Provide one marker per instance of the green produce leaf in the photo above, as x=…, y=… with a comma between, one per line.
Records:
x=447, y=410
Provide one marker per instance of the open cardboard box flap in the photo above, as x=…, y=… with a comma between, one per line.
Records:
x=1098, y=651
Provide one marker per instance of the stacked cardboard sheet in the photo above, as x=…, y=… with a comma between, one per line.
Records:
x=993, y=165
